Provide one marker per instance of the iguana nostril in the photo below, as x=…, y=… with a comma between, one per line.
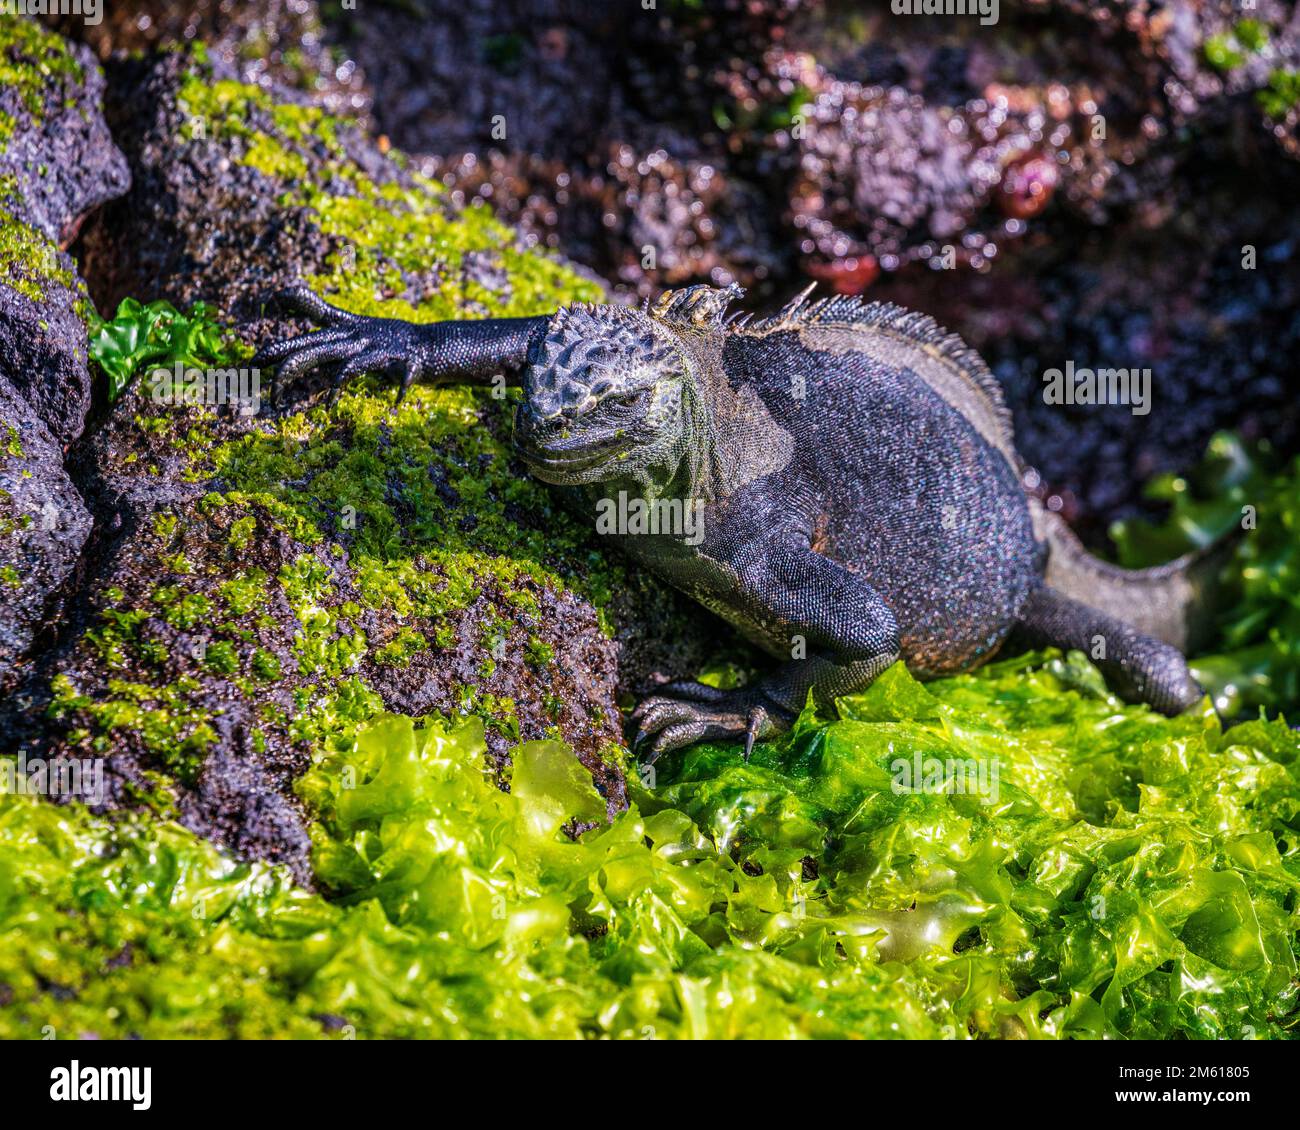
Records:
x=572, y=397
x=541, y=410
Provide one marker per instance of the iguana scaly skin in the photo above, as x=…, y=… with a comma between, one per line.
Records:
x=852, y=469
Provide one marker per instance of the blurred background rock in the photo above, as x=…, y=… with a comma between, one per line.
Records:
x=1079, y=181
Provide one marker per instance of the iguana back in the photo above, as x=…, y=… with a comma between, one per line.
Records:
x=901, y=442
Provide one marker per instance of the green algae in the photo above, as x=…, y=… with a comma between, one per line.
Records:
x=155, y=333
x=1243, y=494
x=1131, y=876
x=29, y=262
x=33, y=60
x=168, y=719
x=421, y=502
x=1282, y=95
x=1229, y=50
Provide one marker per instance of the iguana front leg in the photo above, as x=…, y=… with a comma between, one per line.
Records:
x=848, y=630
x=470, y=352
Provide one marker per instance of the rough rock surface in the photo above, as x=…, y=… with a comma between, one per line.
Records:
x=43, y=332
x=257, y=586
x=57, y=163
x=43, y=525
x=56, y=145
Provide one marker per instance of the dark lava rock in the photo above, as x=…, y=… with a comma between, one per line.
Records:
x=43, y=525
x=58, y=148
x=284, y=42
x=42, y=331
x=527, y=76
x=259, y=585
x=197, y=225
x=554, y=115
x=56, y=164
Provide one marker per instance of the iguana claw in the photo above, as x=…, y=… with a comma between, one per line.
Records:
x=354, y=343
x=685, y=713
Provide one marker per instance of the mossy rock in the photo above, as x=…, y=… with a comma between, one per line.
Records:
x=56, y=162
x=265, y=584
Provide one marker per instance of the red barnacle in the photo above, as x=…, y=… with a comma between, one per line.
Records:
x=1027, y=186
x=846, y=276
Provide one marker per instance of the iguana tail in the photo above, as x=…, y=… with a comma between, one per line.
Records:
x=1174, y=603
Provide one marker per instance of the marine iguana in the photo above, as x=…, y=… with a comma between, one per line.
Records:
x=853, y=469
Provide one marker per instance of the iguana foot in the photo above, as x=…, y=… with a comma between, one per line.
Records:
x=684, y=713
x=1137, y=667
x=353, y=342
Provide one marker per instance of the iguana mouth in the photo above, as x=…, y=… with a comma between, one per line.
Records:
x=581, y=457
x=564, y=445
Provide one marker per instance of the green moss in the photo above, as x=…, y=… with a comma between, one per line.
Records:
x=399, y=651
x=539, y=652
x=9, y=576
x=35, y=65
x=1282, y=94
x=166, y=719
x=241, y=531
x=29, y=262
x=221, y=658
x=164, y=525
x=113, y=639
x=1230, y=49
x=392, y=236
x=182, y=609
x=245, y=594
x=1223, y=52
x=265, y=666
x=1251, y=34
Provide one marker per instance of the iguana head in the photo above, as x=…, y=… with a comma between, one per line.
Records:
x=609, y=393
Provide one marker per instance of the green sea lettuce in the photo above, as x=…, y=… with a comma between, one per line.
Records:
x=1099, y=871
x=1255, y=659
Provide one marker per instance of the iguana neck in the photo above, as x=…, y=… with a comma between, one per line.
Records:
x=735, y=440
